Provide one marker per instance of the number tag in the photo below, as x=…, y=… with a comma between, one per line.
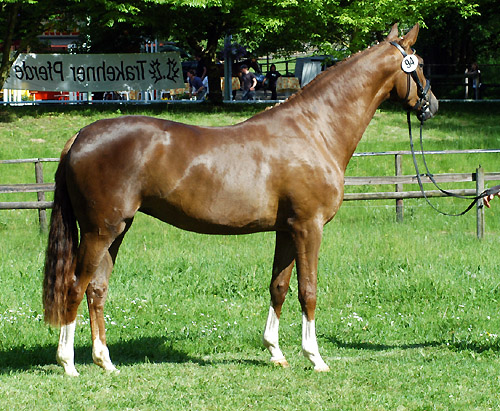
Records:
x=409, y=64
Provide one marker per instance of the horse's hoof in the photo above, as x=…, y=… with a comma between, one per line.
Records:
x=71, y=372
x=108, y=367
x=322, y=368
x=283, y=363
x=68, y=366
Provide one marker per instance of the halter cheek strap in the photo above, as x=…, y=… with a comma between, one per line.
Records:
x=422, y=103
x=422, y=106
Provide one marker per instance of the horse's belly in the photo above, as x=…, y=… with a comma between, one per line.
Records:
x=220, y=191
x=212, y=215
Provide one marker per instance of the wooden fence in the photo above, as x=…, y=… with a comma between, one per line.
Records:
x=398, y=180
x=40, y=187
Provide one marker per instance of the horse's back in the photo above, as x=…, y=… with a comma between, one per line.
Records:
x=234, y=179
x=201, y=179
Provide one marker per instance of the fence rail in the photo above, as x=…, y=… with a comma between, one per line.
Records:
x=398, y=180
x=39, y=187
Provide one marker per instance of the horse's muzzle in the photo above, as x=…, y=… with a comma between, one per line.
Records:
x=428, y=109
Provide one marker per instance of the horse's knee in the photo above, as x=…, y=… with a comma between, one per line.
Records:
x=307, y=299
x=278, y=293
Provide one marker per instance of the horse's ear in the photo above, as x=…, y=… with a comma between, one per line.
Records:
x=411, y=37
x=394, y=33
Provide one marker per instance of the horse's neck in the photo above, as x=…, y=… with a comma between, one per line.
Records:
x=343, y=101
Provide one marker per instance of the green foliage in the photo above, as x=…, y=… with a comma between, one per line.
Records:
x=474, y=38
x=264, y=27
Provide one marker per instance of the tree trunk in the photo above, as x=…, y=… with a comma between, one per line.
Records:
x=12, y=10
x=214, y=86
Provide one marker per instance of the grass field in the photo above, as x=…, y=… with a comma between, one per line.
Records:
x=407, y=312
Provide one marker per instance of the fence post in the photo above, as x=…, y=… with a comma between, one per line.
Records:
x=480, y=203
x=42, y=213
x=399, y=188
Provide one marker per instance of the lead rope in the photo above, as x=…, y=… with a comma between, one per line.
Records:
x=492, y=190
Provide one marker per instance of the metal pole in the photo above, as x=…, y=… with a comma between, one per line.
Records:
x=228, y=83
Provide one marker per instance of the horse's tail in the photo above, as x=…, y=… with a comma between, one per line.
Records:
x=62, y=247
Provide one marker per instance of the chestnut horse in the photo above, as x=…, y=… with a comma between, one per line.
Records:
x=281, y=170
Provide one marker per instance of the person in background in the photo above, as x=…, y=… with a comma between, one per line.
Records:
x=205, y=84
x=201, y=68
x=196, y=87
x=474, y=76
x=249, y=82
x=271, y=79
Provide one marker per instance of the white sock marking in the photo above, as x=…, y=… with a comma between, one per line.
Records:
x=271, y=336
x=100, y=355
x=310, y=344
x=65, y=351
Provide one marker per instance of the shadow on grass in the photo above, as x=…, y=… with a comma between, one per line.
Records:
x=159, y=350
x=138, y=351
x=475, y=346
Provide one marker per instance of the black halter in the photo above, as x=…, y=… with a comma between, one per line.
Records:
x=422, y=105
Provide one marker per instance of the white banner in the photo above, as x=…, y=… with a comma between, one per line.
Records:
x=96, y=72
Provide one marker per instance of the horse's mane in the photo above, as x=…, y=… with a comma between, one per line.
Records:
x=337, y=66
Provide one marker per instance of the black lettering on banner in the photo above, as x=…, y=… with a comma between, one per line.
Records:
x=151, y=69
x=155, y=71
x=131, y=73
x=119, y=72
x=173, y=70
x=19, y=72
x=49, y=65
x=78, y=73
x=140, y=69
x=101, y=72
x=110, y=72
x=91, y=73
x=42, y=73
x=39, y=73
x=58, y=70
x=28, y=71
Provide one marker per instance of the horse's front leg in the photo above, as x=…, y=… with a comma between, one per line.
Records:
x=282, y=269
x=307, y=237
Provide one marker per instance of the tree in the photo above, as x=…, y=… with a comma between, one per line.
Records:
x=473, y=37
x=337, y=27
x=21, y=21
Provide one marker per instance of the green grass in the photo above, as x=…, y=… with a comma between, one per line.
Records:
x=407, y=313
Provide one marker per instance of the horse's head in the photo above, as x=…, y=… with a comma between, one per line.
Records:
x=410, y=85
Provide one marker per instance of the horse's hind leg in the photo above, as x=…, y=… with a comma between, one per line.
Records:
x=65, y=352
x=97, y=292
x=93, y=248
x=282, y=269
